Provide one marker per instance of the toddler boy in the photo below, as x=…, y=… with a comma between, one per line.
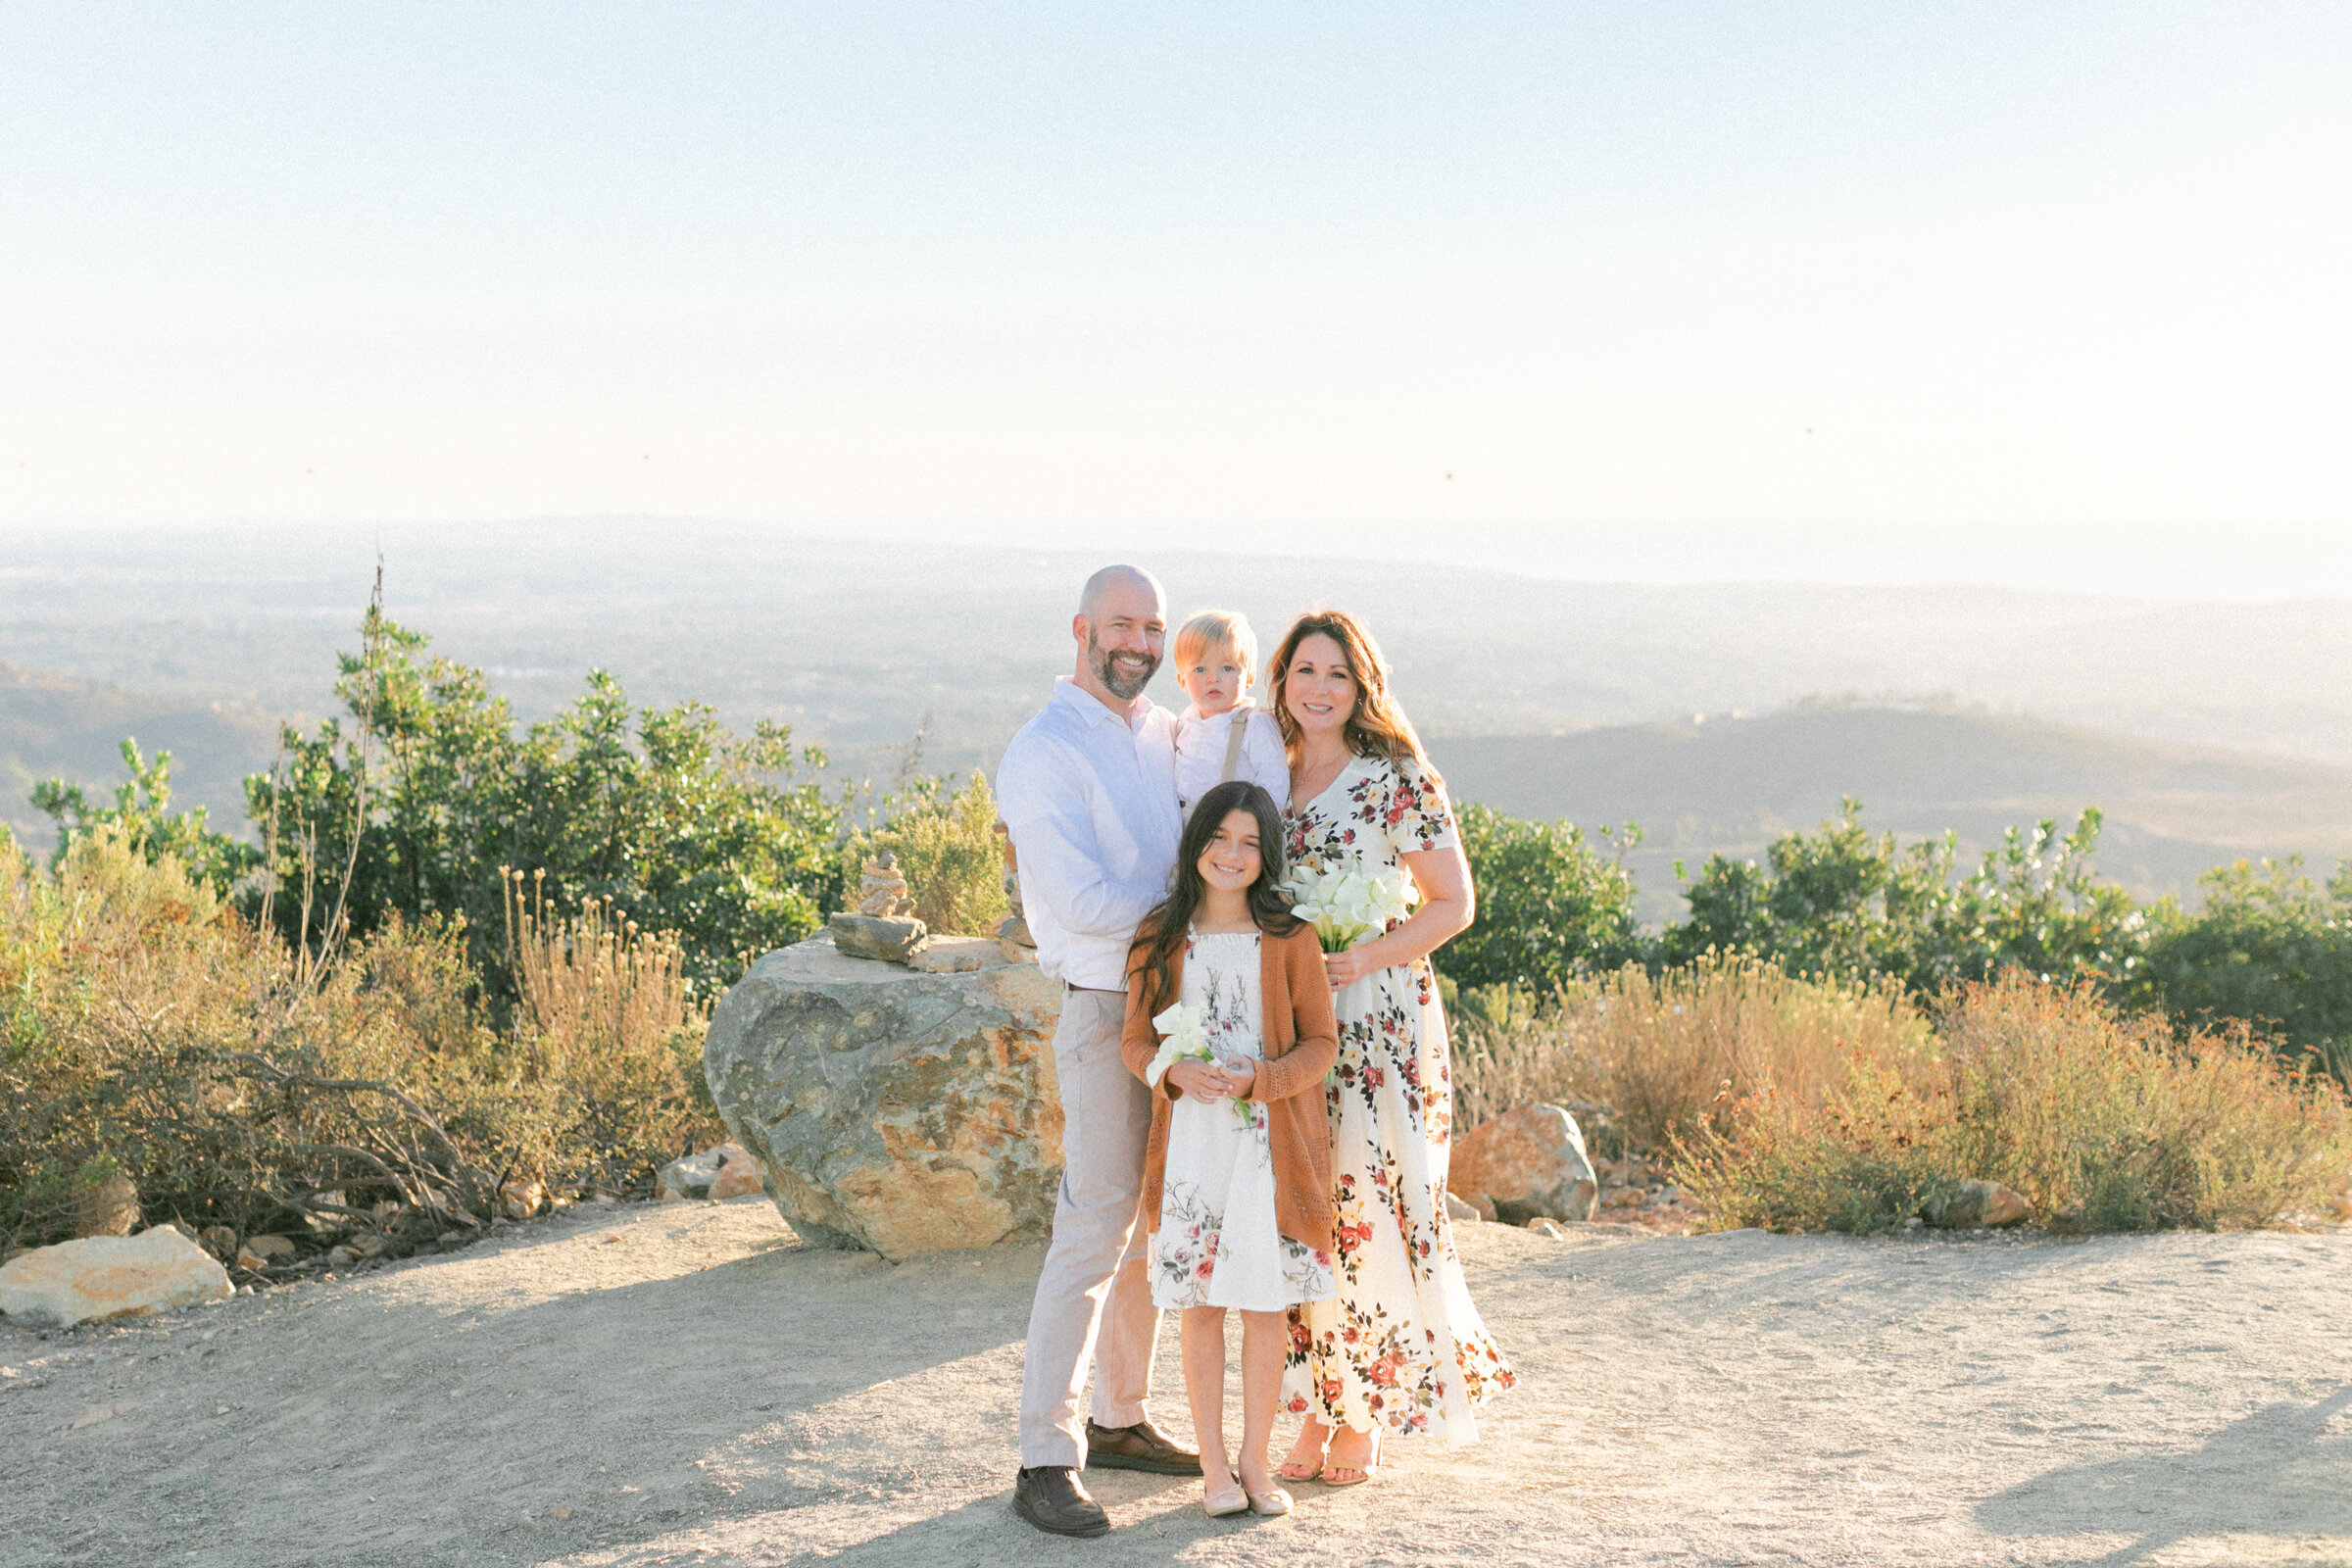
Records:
x=1218, y=738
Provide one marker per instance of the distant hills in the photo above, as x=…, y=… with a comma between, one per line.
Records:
x=2205, y=730
x=1732, y=783
x=57, y=726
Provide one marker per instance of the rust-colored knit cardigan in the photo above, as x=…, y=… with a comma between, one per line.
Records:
x=1301, y=1041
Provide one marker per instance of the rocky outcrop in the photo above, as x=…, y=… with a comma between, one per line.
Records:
x=893, y=1109
x=158, y=1270
x=1526, y=1165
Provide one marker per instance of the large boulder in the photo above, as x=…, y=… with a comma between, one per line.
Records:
x=1528, y=1163
x=158, y=1270
x=892, y=1108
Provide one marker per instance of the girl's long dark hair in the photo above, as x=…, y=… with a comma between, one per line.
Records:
x=1164, y=929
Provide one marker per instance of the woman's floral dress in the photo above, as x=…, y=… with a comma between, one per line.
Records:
x=1401, y=1347
x=1218, y=1244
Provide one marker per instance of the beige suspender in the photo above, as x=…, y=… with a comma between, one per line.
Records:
x=1233, y=744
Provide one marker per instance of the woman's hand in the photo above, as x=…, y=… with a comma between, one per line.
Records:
x=1240, y=1075
x=1343, y=970
x=1447, y=906
x=1203, y=1080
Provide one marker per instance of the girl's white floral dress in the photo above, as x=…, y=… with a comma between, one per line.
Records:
x=1217, y=1245
x=1401, y=1347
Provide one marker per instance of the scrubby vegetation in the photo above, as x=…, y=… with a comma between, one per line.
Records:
x=359, y=1094
x=1654, y=1054
x=948, y=850
x=2268, y=953
x=1812, y=1103
x=458, y=958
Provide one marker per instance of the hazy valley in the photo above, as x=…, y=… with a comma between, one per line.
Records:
x=1715, y=716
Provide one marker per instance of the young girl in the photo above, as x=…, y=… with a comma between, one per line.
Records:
x=1219, y=737
x=1236, y=1173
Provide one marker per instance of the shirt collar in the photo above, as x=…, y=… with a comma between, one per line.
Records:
x=1066, y=689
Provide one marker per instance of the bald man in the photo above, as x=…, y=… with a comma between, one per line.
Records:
x=1088, y=789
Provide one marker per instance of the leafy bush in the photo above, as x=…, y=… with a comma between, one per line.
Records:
x=2271, y=948
x=143, y=817
x=1550, y=905
x=416, y=806
x=344, y=1090
x=2102, y=1121
x=951, y=857
x=1847, y=901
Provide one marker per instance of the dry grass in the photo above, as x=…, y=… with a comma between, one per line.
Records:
x=2103, y=1122
x=146, y=1033
x=1653, y=1055
x=606, y=1036
x=1797, y=1103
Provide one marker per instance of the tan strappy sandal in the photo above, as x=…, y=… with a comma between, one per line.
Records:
x=1296, y=1469
x=1362, y=1474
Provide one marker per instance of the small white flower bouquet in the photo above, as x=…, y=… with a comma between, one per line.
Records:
x=1186, y=1039
x=1349, y=902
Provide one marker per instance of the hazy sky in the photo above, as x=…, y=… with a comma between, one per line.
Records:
x=2047, y=293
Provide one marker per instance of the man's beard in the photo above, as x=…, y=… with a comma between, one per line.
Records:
x=1126, y=684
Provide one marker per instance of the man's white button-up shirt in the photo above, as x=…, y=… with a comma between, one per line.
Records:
x=1090, y=799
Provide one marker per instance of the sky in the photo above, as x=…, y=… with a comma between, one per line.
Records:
x=2047, y=294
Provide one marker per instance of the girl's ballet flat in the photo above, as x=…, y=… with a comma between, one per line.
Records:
x=1224, y=1504
x=1271, y=1501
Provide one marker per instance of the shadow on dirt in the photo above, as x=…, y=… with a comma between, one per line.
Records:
x=2281, y=1462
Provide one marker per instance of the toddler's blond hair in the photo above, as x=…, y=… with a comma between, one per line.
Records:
x=1218, y=628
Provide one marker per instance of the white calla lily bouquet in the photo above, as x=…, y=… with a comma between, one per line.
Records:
x=1347, y=902
x=1186, y=1039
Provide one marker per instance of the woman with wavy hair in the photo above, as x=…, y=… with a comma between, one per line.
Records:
x=1401, y=1347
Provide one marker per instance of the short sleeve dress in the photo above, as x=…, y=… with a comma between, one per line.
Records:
x=1400, y=1348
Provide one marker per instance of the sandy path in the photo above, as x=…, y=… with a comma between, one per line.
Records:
x=691, y=1387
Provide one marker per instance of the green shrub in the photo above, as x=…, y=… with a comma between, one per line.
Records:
x=1847, y=901
x=951, y=857
x=2272, y=948
x=143, y=819
x=1550, y=905
x=681, y=825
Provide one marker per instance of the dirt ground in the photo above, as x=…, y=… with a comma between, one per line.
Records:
x=686, y=1383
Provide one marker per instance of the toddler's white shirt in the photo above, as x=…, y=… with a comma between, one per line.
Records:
x=1200, y=755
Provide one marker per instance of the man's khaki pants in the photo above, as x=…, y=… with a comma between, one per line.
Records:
x=1093, y=1299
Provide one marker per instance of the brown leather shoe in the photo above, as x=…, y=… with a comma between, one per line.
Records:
x=1141, y=1446
x=1053, y=1498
